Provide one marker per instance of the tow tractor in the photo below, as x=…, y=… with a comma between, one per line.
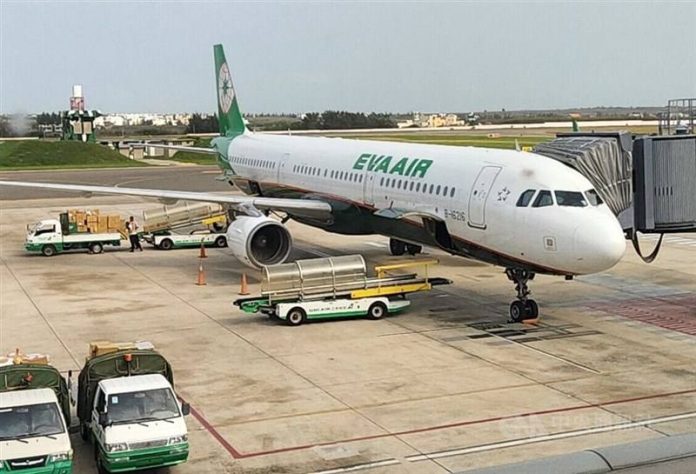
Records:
x=209, y=222
x=337, y=287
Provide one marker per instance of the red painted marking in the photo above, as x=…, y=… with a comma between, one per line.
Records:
x=237, y=455
x=674, y=313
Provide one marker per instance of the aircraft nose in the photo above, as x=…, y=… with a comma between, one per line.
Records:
x=600, y=245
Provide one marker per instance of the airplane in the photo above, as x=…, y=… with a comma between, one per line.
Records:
x=522, y=211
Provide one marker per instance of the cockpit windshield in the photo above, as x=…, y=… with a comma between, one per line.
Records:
x=570, y=198
x=593, y=197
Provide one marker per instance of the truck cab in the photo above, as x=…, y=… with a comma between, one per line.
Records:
x=137, y=423
x=42, y=233
x=128, y=408
x=34, y=420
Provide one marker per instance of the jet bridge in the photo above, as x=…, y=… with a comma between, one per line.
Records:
x=649, y=182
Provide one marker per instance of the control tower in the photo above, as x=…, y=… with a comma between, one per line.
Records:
x=78, y=123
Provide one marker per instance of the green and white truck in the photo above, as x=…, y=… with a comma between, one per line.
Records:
x=34, y=420
x=50, y=237
x=128, y=409
x=336, y=287
x=203, y=223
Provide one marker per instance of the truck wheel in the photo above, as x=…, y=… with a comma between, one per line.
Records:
x=377, y=311
x=84, y=432
x=296, y=316
x=97, y=460
x=166, y=244
x=221, y=242
x=413, y=249
x=48, y=250
x=96, y=248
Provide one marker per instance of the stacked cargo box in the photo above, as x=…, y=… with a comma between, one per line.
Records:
x=93, y=221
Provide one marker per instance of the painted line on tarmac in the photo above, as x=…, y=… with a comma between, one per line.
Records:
x=239, y=455
x=360, y=467
x=550, y=437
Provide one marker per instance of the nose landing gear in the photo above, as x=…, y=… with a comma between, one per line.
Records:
x=524, y=307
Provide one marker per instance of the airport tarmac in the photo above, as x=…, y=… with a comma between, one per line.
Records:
x=445, y=387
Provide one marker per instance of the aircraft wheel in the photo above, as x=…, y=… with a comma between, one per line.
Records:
x=517, y=312
x=296, y=316
x=397, y=247
x=532, y=309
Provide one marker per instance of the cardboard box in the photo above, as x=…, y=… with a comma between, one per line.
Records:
x=98, y=348
x=114, y=220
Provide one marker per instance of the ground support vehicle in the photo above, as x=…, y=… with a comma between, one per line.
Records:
x=128, y=408
x=209, y=222
x=169, y=240
x=336, y=287
x=34, y=418
x=75, y=230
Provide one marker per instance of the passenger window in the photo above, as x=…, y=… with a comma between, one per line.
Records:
x=570, y=199
x=411, y=186
x=525, y=198
x=437, y=191
x=432, y=186
x=452, y=192
x=593, y=197
x=444, y=191
x=543, y=199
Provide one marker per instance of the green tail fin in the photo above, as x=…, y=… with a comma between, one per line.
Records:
x=229, y=115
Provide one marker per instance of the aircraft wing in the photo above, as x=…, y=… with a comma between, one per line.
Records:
x=193, y=149
x=303, y=207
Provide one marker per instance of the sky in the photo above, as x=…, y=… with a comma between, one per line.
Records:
x=358, y=56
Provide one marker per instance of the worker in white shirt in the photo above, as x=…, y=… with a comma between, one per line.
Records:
x=133, y=227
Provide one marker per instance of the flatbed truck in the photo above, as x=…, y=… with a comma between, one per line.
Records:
x=50, y=237
x=336, y=287
x=34, y=418
x=128, y=409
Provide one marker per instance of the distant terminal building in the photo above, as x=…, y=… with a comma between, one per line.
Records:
x=78, y=123
x=431, y=121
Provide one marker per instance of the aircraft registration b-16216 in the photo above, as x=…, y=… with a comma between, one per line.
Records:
x=522, y=211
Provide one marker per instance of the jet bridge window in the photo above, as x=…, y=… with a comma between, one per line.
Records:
x=525, y=198
x=543, y=199
x=570, y=199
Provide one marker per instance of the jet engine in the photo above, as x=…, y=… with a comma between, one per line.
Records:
x=259, y=240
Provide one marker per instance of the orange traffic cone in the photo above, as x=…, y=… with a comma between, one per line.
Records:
x=244, y=287
x=201, y=275
x=202, y=255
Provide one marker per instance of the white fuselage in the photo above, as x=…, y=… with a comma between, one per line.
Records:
x=474, y=191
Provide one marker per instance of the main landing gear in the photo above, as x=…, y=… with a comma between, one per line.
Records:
x=523, y=308
x=399, y=247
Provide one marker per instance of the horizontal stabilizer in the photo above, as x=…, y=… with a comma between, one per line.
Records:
x=192, y=149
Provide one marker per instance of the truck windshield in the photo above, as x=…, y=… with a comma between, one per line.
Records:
x=147, y=405
x=30, y=421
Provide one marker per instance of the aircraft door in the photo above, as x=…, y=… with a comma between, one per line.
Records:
x=369, y=188
x=479, y=195
x=282, y=163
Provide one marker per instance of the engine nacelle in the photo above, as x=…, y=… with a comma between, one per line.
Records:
x=258, y=241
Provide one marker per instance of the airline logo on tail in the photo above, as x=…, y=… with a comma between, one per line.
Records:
x=225, y=90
